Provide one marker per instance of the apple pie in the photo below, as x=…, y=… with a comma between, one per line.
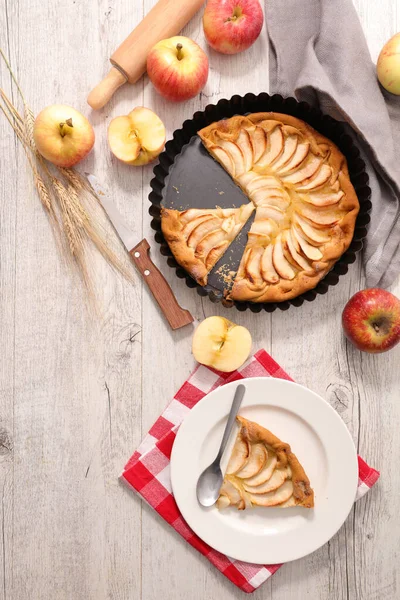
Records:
x=306, y=206
x=198, y=238
x=263, y=471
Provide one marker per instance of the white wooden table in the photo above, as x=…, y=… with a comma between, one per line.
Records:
x=76, y=395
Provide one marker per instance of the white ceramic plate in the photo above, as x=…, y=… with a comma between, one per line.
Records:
x=317, y=436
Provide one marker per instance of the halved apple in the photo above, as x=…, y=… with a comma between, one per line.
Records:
x=221, y=344
x=137, y=138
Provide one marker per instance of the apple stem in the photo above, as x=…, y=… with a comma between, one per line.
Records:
x=62, y=125
x=236, y=14
x=179, y=51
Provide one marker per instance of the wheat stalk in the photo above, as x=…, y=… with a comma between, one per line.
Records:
x=64, y=202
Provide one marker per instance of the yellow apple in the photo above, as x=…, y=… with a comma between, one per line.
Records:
x=388, y=65
x=178, y=68
x=63, y=135
x=221, y=344
x=137, y=138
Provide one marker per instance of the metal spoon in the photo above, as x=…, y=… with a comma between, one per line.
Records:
x=210, y=481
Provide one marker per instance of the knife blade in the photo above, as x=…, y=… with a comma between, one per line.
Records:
x=176, y=315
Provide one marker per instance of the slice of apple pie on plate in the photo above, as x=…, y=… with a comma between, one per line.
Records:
x=263, y=471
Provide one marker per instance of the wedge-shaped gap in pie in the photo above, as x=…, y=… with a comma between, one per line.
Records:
x=263, y=471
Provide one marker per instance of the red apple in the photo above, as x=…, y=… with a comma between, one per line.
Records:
x=63, y=135
x=178, y=68
x=231, y=26
x=371, y=320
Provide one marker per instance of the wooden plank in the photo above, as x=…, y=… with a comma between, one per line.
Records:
x=77, y=392
x=8, y=218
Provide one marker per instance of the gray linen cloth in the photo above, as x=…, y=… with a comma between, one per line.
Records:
x=318, y=53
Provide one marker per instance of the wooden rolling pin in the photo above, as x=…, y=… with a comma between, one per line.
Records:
x=164, y=20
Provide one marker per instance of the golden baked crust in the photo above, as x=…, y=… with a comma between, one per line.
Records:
x=198, y=238
x=306, y=204
x=263, y=471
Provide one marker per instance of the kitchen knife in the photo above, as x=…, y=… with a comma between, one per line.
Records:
x=176, y=316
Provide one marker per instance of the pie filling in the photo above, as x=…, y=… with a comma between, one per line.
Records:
x=263, y=471
x=306, y=208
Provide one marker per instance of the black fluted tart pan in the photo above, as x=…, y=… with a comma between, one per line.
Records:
x=188, y=177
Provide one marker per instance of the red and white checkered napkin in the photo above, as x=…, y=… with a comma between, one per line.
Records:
x=148, y=470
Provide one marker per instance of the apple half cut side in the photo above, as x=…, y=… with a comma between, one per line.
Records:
x=221, y=344
x=138, y=138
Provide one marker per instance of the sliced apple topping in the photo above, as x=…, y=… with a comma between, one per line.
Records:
x=245, y=146
x=258, y=141
x=201, y=230
x=252, y=265
x=267, y=266
x=262, y=197
x=246, y=178
x=316, y=181
x=312, y=166
x=236, y=155
x=278, y=477
x=225, y=159
x=240, y=454
x=296, y=160
x=230, y=492
x=310, y=251
x=262, y=181
x=296, y=256
x=275, y=144
x=274, y=213
x=278, y=496
x=214, y=254
x=288, y=504
x=315, y=235
x=213, y=239
x=322, y=199
x=288, y=152
x=266, y=472
x=255, y=462
x=319, y=216
x=282, y=266
x=190, y=224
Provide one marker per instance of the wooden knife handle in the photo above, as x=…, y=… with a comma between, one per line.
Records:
x=157, y=284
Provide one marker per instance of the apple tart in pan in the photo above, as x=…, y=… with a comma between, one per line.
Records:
x=305, y=207
x=263, y=471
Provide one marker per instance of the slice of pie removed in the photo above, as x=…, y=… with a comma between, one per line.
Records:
x=263, y=471
x=198, y=238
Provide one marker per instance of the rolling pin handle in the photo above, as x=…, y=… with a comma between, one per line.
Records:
x=103, y=92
